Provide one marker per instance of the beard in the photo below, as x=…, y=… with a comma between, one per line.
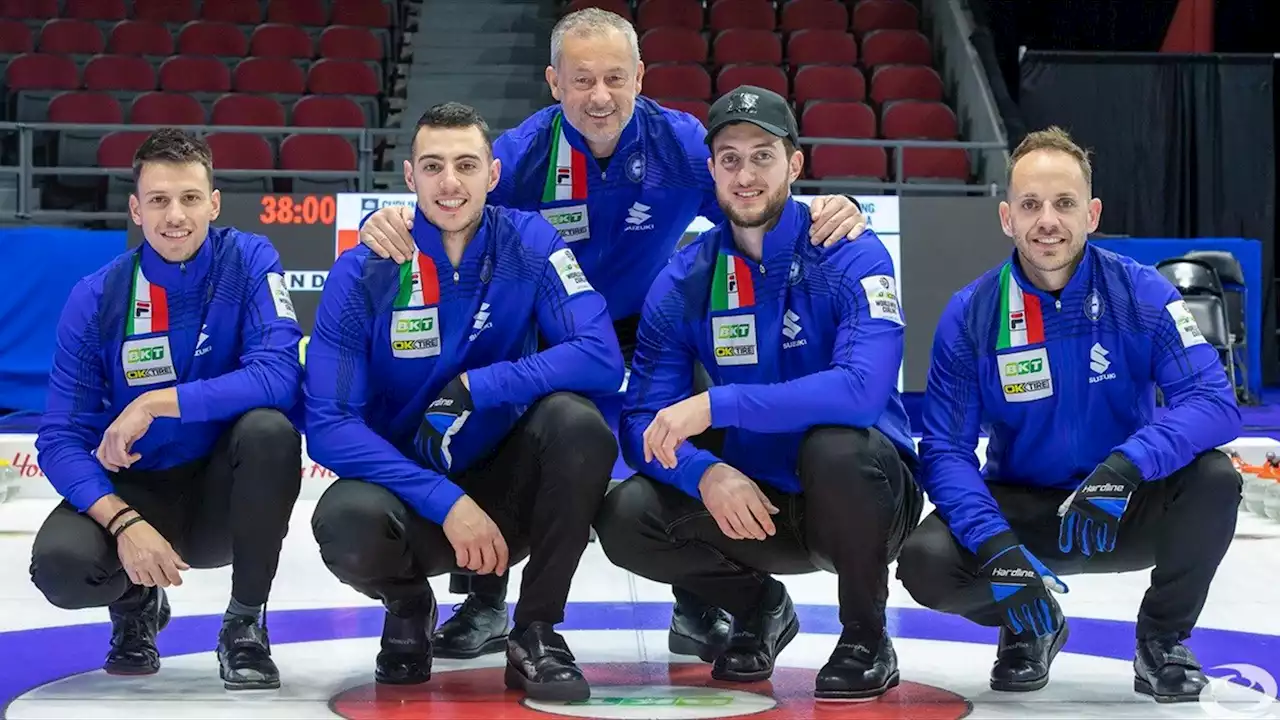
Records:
x=763, y=217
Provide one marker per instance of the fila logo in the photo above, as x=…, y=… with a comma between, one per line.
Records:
x=638, y=217
x=481, y=321
x=1099, y=364
x=791, y=328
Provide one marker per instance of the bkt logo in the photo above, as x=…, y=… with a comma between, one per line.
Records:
x=564, y=218
x=1024, y=367
x=415, y=325
x=139, y=355
x=729, y=332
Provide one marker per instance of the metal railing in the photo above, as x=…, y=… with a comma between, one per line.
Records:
x=897, y=185
x=364, y=176
x=367, y=178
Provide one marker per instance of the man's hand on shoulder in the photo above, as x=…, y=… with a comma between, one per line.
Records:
x=835, y=217
x=739, y=507
x=388, y=234
x=673, y=425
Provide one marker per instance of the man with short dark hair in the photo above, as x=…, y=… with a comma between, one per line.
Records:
x=800, y=455
x=168, y=429
x=1057, y=354
x=460, y=448
x=621, y=178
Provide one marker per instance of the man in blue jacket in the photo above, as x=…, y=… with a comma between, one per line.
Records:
x=1057, y=355
x=621, y=178
x=167, y=429
x=813, y=467
x=459, y=446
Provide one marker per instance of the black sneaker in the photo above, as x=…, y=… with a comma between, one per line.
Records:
x=1166, y=670
x=698, y=629
x=756, y=641
x=478, y=627
x=136, y=619
x=244, y=655
x=405, y=658
x=540, y=663
x=858, y=670
x=1023, y=661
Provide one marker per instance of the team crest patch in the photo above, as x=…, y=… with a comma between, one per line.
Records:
x=635, y=167
x=486, y=269
x=1093, y=306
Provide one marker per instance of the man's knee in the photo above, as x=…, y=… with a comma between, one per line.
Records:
x=354, y=525
x=266, y=433
x=622, y=523
x=841, y=454
x=1211, y=478
x=67, y=574
x=570, y=424
x=927, y=562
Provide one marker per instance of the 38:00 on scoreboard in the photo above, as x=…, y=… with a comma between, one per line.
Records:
x=297, y=210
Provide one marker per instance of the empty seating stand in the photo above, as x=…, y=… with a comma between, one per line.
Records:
x=206, y=62
x=867, y=58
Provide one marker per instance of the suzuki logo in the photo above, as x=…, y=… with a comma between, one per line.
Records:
x=638, y=214
x=482, y=321
x=791, y=325
x=1098, y=359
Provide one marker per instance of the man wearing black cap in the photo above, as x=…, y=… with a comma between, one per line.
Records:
x=800, y=455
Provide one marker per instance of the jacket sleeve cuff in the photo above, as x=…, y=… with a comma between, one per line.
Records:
x=480, y=383
x=690, y=476
x=724, y=406
x=192, y=405
x=88, y=493
x=995, y=545
x=1125, y=468
x=437, y=504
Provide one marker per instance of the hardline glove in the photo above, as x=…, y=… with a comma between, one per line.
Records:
x=1020, y=585
x=442, y=420
x=1091, y=515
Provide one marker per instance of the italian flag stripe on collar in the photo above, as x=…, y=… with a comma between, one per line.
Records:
x=566, y=170
x=732, y=287
x=149, y=311
x=1020, y=320
x=419, y=284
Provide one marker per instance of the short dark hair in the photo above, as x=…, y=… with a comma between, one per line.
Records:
x=171, y=145
x=452, y=115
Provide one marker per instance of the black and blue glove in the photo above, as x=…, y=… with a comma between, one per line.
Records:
x=1020, y=585
x=1091, y=515
x=443, y=419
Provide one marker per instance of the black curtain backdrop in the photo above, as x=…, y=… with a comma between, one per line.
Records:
x=1184, y=145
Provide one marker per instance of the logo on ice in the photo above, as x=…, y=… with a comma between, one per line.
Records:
x=1243, y=691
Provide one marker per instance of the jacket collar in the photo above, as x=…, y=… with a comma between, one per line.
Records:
x=781, y=239
x=1080, y=279
x=430, y=241
x=630, y=134
x=177, y=275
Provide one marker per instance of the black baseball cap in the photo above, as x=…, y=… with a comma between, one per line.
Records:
x=765, y=109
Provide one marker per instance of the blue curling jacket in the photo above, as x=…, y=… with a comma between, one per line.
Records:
x=219, y=327
x=809, y=336
x=389, y=337
x=1058, y=384
x=623, y=222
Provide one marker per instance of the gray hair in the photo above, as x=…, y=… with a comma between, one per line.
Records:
x=592, y=21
